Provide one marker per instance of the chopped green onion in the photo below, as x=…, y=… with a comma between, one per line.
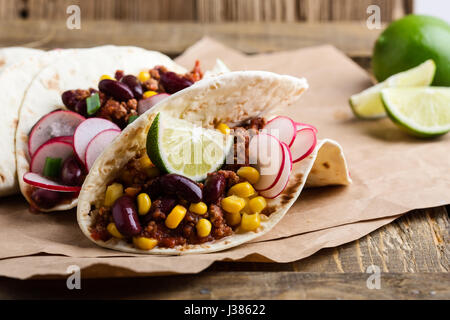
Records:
x=52, y=167
x=132, y=118
x=93, y=104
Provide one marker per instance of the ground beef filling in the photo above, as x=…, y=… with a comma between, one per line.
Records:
x=153, y=223
x=161, y=81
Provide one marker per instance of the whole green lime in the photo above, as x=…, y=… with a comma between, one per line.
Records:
x=410, y=41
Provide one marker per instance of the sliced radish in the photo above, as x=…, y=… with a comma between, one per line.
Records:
x=98, y=144
x=68, y=139
x=52, y=148
x=55, y=124
x=266, y=152
x=283, y=128
x=304, y=143
x=42, y=182
x=86, y=131
x=148, y=103
x=299, y=125
x=283, y=179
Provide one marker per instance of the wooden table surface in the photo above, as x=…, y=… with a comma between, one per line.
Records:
x=412, y=252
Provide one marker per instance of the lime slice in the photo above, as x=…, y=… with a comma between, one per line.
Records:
x=181, y=147
x=422, y=111
x=368, y=105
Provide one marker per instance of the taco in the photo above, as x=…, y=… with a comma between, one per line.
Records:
x=11, y=55
x=87, y=91
x=143, y=195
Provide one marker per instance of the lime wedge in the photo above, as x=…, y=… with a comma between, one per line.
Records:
x=422, y=111
x=368, y=105
x=181, y=147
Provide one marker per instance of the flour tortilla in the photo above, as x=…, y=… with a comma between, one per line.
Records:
x=230, y=98
x=12, y=55
x=77, y=69
x=18, y=66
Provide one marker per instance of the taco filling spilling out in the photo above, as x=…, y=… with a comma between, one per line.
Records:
x=64, y=144
x=192, y=185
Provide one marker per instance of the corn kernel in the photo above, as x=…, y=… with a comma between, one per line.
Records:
x=175, y=217
x=222, y=127
x=233, y=219
x=198, y=208
x=105, y=76
x=131, y=191
x=152, y=172
x=144, y=203
x=203, y=228
x=112, y=229
x=243, y=190
x=113, y=192
x=257, y=204
x=143, y=76
x=145, y=162
x=148, y=94
x=248, y=173
x=250, y=222
x=144, y=243
x=233, y=204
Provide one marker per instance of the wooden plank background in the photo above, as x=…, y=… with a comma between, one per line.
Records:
x=206, y=10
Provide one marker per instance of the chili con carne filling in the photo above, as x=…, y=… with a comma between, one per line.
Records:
x=122, y=108
x=138, y=178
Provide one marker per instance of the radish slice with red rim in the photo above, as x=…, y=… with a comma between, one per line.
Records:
x=98, y=144
x=55, y=124
x=39, y=181
x=299, y=125
x=68, y=139
x=86, y=131
x=283, y=128
x=266, y=152
x=148, y=103
x=52, y=148
x=304, y=144
x=283, y=179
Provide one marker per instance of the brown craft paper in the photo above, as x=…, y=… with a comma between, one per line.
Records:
x=392, y=173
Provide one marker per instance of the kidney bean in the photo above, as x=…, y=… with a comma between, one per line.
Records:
x=214, y=188
x=71, y=172
x=167, y=204
x=46, y=198
x=154, y=188
x=134, y=85
x=173, y=83
x=81, y=108
x=183, y=187
x=115, y=89
x=69, y=99
x=125, y=216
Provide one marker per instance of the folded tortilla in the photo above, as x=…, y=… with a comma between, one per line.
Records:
x=11, y=55
x=230, y=98
x=74, y=69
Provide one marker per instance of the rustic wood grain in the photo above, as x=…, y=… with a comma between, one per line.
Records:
x=205, y=10
x=417, y=242
x=239, y=285
x=173, y=38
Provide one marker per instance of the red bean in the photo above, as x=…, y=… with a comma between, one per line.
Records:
x=69, y=99
x=214, y=188
x=134, y=85
x=125, y=216
x=181, y=186
x=173, y=83
x=115, y=89
x=81, y=108
x=46, y=198
x=72, y=173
